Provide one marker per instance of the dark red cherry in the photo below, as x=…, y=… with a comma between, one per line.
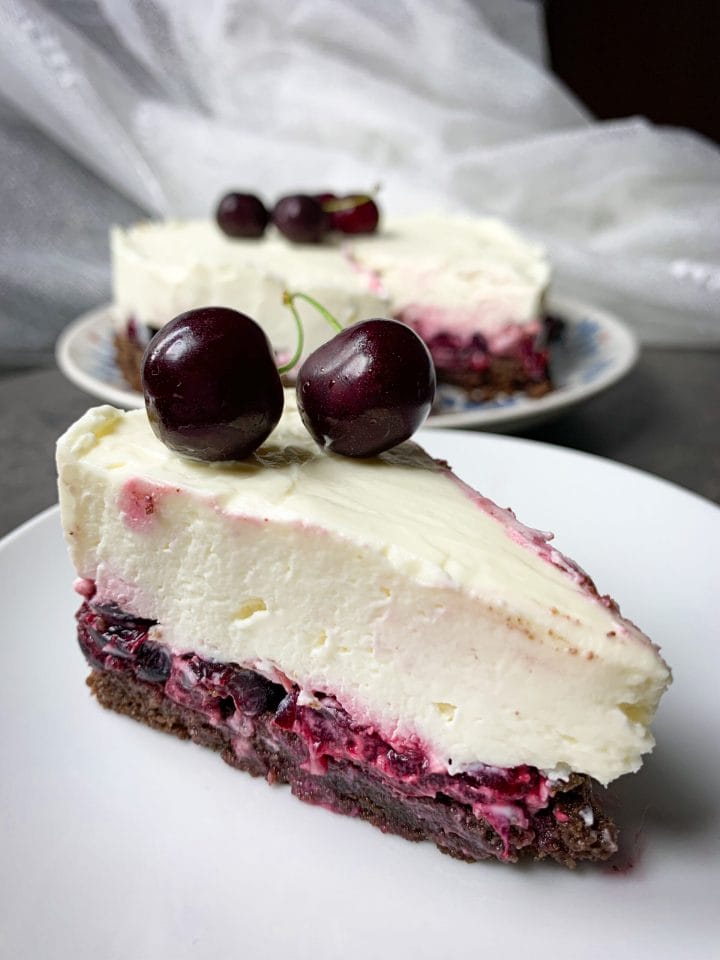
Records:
x=242, y=215
x=300, y=218
x=153, y=663
x=212, y=390
x=323, y=198
x=367, y=389
x=360, y=216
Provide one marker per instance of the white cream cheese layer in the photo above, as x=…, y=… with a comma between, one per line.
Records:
x=387, y=582
x=439, y=272
x=457, y=273
x=163, y=269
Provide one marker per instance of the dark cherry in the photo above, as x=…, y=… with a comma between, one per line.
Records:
x=324, y=197
x=242, y=215
x=209, y=675
x=212, y=390
x=367, y=389
x=114, y=616
x=408, y=763
x=153, y=663
x=300, y=218
x=287, y=710
x=362, y=216
x=253, y=693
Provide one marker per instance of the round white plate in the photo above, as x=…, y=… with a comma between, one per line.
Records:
x=120, y=842
x=595, y=352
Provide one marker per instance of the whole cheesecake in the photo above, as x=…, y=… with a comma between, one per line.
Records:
x=373, y=632
x=472, y=288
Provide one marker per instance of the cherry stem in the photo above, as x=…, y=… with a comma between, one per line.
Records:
x=289, y=301
x=351, y=202
x=346, y=203
x=323, y=311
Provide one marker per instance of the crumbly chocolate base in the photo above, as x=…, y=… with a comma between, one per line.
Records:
x=560, y=832
x=503, y=375
x=128, y=356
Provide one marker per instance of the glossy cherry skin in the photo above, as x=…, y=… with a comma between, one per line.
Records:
x=212, y=390
x=300, y=218
x=323, y=198
x=367, y=389
x=242, y=215
x=363, y=217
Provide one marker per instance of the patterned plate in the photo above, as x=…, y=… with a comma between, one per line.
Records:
x=595, y=352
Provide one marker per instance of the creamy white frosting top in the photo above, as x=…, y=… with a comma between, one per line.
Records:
x=386, y=582
x=459, y=273
x=163, y=269
x=438, y=272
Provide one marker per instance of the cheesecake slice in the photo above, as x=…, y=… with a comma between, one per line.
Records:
x=375, y=633
x=472, y=288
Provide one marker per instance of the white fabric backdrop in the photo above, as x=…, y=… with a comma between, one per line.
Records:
x=117, y=107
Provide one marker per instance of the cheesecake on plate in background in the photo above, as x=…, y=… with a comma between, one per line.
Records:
x=472, y=288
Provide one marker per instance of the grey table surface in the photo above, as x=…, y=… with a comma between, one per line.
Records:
x=664, y=418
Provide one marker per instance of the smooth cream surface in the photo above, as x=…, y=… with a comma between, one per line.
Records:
x=163, y=269
x=384, y=581
x=464, y=274
x=458, y=273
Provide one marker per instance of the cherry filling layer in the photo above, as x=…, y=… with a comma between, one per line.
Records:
x=454, y=354
x=511, y=359
x=271, y=728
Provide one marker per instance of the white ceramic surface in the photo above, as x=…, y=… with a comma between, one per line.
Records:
x=595, y=352
x=120, y=842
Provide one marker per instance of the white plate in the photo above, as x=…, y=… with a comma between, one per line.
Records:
x=595, y=352
x=120, y=842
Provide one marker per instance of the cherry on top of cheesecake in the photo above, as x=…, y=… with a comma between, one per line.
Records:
x=368, y=388
x=242, y=215
x=355, y=214
x=213, y=392
x=300, y=217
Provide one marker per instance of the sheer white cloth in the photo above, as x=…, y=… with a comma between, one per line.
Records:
x=113, y=108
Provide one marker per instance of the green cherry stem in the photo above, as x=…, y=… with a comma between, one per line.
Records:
x=341, y=204
x=346, y=203
x=289, y=301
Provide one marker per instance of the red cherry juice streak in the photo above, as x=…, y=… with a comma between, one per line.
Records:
x=138, y=502
x=236, y=699
x=538, y=541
